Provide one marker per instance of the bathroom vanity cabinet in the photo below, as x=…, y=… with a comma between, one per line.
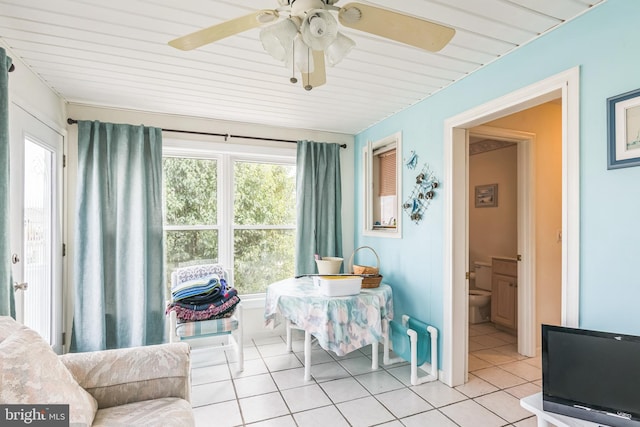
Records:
x=504, y=290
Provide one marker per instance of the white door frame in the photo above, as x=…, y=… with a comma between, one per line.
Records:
x=26, y=124
x=455, y=305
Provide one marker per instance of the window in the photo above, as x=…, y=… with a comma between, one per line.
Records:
x=263, y=233
x=384, y=167
x=382, y=177
x=234, y=208
x=191, y=211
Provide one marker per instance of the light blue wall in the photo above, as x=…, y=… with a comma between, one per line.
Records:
x=604, y=43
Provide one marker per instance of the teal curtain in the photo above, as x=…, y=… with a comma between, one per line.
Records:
x=319, y=204
x=7, y=303
x=118, y=271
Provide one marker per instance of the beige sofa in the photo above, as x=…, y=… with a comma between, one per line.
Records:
x=142, y=386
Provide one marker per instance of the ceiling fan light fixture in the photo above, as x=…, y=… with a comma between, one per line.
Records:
x=317, y=25
x=319, y=29
x=308, y=38
x=277, y=39
x=337, y=50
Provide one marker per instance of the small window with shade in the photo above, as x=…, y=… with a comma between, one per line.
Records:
x=386, y=213
x=382, y=188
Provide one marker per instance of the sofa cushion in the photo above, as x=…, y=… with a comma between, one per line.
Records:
x=121, y=376
x=31, y=373
x=168, y=411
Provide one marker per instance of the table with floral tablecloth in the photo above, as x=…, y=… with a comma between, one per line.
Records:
x=340, y=324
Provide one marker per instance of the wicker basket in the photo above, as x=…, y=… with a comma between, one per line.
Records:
x=370, y=275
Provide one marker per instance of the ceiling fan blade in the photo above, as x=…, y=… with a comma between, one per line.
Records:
x=225, y=29
x=319, y=76
x=396, y=26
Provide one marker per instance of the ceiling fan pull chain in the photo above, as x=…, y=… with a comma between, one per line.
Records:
x=293, y=78
x=308, y=85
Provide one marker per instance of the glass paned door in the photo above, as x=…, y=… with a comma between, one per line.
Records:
x=36, y=216
x=38, y=236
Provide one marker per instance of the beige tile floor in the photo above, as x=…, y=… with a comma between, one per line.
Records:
x=344, y=391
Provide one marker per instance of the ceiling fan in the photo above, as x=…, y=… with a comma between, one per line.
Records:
x=308, y=36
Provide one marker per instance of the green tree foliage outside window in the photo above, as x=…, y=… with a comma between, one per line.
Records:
x=191, y=191
x=264, y=195
x=190, y=198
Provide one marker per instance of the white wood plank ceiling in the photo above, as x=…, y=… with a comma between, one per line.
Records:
x=115, y=53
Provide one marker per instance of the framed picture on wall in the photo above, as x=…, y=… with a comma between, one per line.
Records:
x=623, y=120
x=486, y=196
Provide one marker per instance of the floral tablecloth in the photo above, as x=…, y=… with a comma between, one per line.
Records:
x=340, y=324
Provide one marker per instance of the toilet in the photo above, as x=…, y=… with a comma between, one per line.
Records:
x=480, y=295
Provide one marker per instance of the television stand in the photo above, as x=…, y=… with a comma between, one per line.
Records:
x=533, y=404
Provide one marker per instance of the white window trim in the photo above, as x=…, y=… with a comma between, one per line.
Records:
x=190, y=227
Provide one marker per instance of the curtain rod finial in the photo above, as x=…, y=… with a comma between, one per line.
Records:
x=11, y=68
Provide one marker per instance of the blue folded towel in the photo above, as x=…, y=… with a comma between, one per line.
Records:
x=200, y=281
x=205, y=285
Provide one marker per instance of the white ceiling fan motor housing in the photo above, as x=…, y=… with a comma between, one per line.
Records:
x=299, y=7
x=291, y=2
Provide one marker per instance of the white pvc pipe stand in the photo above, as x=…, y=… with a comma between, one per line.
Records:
x=431, y=370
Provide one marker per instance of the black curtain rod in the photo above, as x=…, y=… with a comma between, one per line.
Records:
x=226, y=136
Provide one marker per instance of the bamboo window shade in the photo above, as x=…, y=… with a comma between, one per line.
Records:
x=387, y=173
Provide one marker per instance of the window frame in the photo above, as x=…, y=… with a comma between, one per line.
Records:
x=226, y=155
x=369, y=229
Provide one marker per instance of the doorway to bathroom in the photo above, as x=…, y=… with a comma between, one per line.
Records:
x=519, y=235
x=493, y=184
x=565, y=88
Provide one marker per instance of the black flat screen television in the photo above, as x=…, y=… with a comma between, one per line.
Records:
x=591, y=375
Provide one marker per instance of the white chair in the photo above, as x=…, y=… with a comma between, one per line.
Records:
x=205, y=331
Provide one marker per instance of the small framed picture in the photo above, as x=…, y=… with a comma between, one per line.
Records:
x=623, y=121
x=487, y=196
